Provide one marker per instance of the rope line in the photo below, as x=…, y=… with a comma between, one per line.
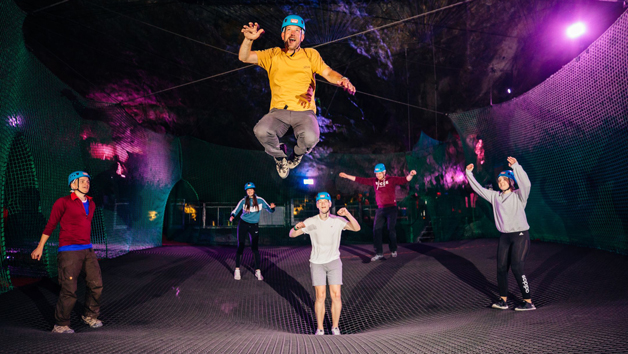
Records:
x=316, y=46
x=165, y=30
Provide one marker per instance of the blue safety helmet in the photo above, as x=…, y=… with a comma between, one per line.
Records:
x=77, y=174
x=509, y=174
x=380, y=168
x=293, y=20
x=323, y=195
x=249, y=186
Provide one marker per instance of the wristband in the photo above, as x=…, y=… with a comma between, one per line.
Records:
x=295, y=228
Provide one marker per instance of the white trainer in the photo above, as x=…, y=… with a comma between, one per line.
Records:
x=258, y=275
x=236, y=274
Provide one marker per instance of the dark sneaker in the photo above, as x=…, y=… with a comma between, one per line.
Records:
x=525, y=306
x=500, y=304
x=62, y=329
x=282, y=167
x=92, y=322
x=294, y=160
x=377, y=257
x=319, y=332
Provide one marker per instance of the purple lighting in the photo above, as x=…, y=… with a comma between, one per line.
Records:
x=576, y=30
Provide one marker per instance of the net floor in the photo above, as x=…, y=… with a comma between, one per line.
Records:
x=432, y=298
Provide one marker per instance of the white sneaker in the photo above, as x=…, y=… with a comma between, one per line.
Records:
x=377, y=257
x=92, y=322
x=236, y=274
x=335, y=331
x=319, y=332
x=62, y=329
x=394, y=254
x=258, y=275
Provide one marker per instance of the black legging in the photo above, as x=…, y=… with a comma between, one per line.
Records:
x=511, y=252
x=244, y=229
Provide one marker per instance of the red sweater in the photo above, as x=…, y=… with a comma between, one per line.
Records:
x=76, y=226
x=384, y=190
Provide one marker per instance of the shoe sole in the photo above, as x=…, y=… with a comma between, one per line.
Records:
x=499, y=307
x=532, y=309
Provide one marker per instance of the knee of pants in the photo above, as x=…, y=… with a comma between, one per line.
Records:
x=310, y=139
x=261, y=131
x=240, y=249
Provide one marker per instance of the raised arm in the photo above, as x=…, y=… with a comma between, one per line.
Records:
x=251, y=33
x=410, y=175
x=297, y=230
x=336, y=78
x=353, y=224
x=349, y=177
x=477, y=188
x=522, y=179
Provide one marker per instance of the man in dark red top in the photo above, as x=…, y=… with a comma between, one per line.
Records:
x=74, y=213
x=386, y=206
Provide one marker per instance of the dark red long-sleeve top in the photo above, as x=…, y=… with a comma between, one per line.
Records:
x=76, y=225
x=384, y=190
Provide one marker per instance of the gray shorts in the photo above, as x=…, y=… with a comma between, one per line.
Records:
x=328, y=273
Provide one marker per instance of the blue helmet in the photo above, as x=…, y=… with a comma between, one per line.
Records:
x=380, y=168
x=293, y=20
x=509, y=174
x=249, y=186
x=77, y=174
x=323, y=195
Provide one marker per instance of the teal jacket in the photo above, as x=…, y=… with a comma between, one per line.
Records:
x=252, y=215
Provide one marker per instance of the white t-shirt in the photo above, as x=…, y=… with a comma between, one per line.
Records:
x=325, y=236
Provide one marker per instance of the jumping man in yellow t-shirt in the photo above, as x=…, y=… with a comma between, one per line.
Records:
x=291, y=72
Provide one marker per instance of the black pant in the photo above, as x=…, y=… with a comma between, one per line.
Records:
x=511, y=252
x=70, y=264
x=244, y=229
x=388, y=214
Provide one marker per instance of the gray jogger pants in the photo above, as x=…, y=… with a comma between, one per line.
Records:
x=276, y=123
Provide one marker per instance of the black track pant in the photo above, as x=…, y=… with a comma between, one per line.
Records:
x=252, y=230
x=511, y=252
x=385, y=215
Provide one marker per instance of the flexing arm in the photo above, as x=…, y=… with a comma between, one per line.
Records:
x=349, y=177
x=297, y=230
x=251, y=33
x=336, y=78
x=477, y=188
x=352, y=225
x=410, y=175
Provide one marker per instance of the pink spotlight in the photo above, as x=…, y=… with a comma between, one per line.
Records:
x=576, y=30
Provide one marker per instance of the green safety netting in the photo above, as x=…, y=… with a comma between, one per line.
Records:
x=569, y=134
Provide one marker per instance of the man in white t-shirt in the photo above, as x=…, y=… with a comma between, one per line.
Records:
x=325, y=265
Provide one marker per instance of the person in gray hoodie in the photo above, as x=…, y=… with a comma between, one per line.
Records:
x=510, y=219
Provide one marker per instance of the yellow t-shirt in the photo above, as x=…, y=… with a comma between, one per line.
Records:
x=291, y=78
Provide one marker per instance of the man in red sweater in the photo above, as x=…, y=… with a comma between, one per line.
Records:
x=74, y=212
x=386, y=206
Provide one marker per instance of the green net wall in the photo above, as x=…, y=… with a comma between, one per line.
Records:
x=46, y=132
x=570, y=134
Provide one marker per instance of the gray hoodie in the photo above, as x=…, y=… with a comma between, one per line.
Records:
x=508, y=208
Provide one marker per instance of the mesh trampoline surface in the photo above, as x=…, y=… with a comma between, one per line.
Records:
x=432, y=298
